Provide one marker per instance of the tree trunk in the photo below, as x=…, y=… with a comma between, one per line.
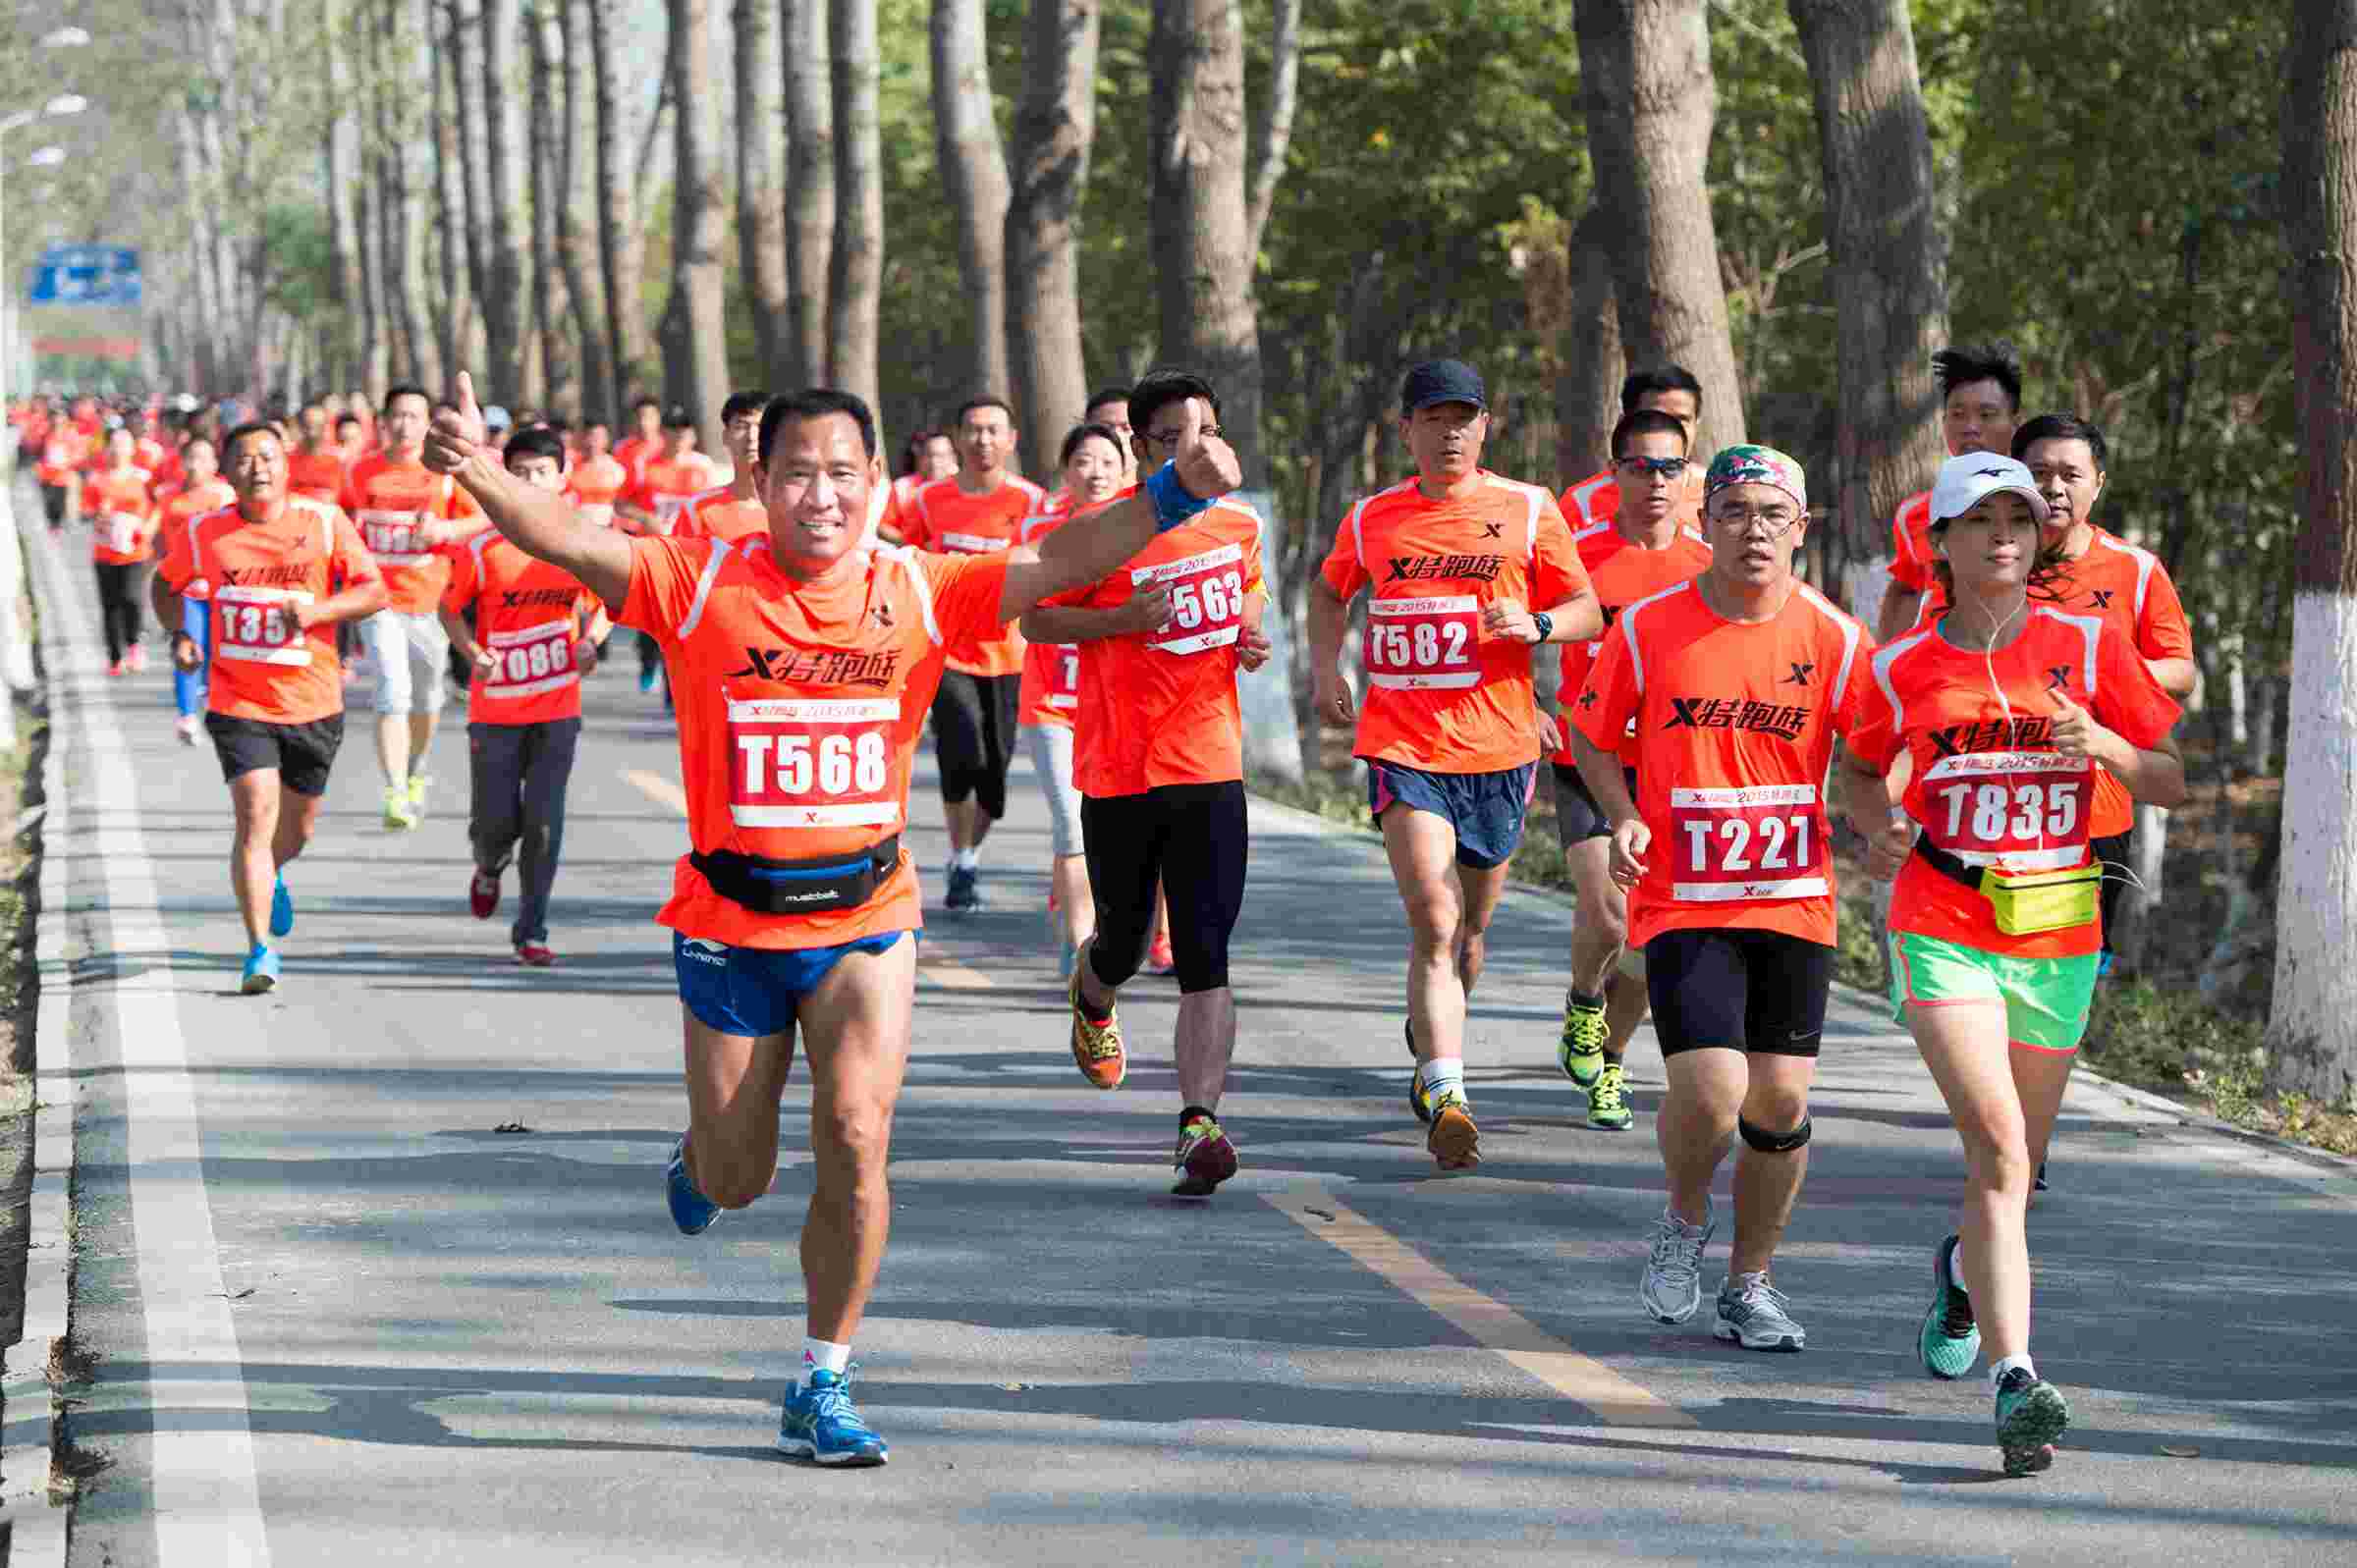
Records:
x=761, y=187
x=453, y=323
x=508, y=295
x=1054, y=124
x=475, y=183
x=1645, y=80
x=1587, y=394
x=1889, y=261
x=810, y=190
x=2314, y=1023
x=552, y=298
x=574, y=191
x=859, y=274
x=1272, y=131
x=622, y=250
x=377, y=366
x=974, y=170
x=341, y=170
x=1201, y=226
x=701, y=372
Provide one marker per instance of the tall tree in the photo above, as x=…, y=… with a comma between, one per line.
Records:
x=395, y=213
x=760, y=121
x=475, y=183
x=857, y=297
x=2314, y=1023
x=507, y=304
x=973, y=172
x=455, y=324
x=809, y=188
x=701, y=370
x=1645, y=78
x=1055, y=123
x=551, y=295
x=1889, y=267
x=622, y=250
x=573, y=191
x=1587, y=394
x=1205, y=243
x=340, y=166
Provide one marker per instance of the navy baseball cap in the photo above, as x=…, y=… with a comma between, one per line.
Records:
x=1442, y=381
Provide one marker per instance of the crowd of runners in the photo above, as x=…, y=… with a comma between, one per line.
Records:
x=1985, y=742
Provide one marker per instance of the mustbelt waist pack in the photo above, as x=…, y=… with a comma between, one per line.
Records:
x=2026, y=903
x=800, y=887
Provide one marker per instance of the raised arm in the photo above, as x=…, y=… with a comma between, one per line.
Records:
x=1088, y=547
x=539, y=522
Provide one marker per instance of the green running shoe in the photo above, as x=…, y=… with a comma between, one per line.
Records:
x=1950, y=1341
x=1580, y=1051
x=1418, y=1100
x=1608, y=1110
x=2031, y=1413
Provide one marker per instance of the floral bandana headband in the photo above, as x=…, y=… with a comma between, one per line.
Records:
x=1756, y=466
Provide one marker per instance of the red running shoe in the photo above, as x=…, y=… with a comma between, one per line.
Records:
x=482, y=894
x=535, y=955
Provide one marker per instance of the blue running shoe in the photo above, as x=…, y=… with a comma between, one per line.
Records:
x=261, y=970
x=816, y=1421
x=690, y=1210
x=1949, y=1341
x=282, y=910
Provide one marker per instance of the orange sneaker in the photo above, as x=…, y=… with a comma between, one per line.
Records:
x=1453, y=1139
x=1097, y=1046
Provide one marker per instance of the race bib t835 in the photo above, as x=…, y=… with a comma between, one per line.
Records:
x=802, y=762
x=1747, y=842
x=1423, y=644
x=1207, y=599
x=2024, y=809
x=252, y=624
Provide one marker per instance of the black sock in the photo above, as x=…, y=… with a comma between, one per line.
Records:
x=1089, y=1010
x=1191, y=1113
x=1580, y=998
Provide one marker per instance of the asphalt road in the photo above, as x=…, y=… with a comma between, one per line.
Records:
x=337, y=1315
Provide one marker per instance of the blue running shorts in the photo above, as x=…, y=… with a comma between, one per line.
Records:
x=755, y=990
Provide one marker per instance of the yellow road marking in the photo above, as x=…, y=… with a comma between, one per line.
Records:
x=1496, y=1325
x=658, y=788
x=951, y=975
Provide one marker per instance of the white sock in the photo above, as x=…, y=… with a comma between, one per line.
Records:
x=966, y=859
x=824, y=1355
x=1443, y=1074
x=1955, y=1269
x=1999, y=1369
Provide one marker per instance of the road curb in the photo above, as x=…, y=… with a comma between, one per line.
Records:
x=2186, y=1115
x=36, y=1517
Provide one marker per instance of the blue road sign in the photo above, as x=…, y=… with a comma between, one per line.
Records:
x=85, y=275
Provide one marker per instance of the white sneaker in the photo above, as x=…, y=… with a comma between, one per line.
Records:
x=1673, y=1288
x=1751, y=1312
x=186, y=726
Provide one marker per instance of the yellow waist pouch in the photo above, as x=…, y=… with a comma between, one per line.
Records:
x=2028, y=902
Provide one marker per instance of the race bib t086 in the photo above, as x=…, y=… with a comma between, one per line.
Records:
x=1749, y=843
x=252, y=624
x=799, y=762
x=2024, y=809
x=531, y=659
x=1207, y=600
x=396, y=538
x=1423, y=644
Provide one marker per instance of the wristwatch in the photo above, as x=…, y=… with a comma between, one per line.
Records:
x=1546, y=624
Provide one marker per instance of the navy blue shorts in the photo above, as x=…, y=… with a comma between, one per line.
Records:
x=1485, y=808
x=755, y=990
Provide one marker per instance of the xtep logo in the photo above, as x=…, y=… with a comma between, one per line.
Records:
x=1799, y=676
x=529, y=598
x=2057, y=680
x=1493, y=530
x=2099, y=598
x=1426, y=569
x=824, y=666
x=1782, y=719
x=2025, y=734
x=285, y=575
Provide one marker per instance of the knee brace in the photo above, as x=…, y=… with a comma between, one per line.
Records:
x=1774, y=1143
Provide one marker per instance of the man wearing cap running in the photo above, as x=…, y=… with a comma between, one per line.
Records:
x=405, y=517
x=278, y=573
x=1980, y=400
x=1670, y=388
x=1734, y=684
x=806, y=667
x=1159, y=761
x=1648, y=543
x=977, y=510
x=732, y=511
x=1456, y=560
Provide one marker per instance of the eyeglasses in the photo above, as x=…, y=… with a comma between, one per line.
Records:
x=1638, y=468
x=1172, y=438
x=1774, y=523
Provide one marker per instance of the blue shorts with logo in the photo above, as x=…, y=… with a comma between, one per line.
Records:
x=1485, y=808
x=755, y=991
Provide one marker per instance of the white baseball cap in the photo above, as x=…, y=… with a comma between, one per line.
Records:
x=1964, y=481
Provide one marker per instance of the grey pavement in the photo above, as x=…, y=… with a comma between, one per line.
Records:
x=337, y=1315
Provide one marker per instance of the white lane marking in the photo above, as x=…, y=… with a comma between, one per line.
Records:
x=208, y=1504
x=657, y=788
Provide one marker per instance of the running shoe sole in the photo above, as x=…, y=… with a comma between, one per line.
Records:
x=1940, y=1355
x=2025, y=1438
x=1208, y=1163
x=805, y=1448
x=1453, y=1141
x=258, y=983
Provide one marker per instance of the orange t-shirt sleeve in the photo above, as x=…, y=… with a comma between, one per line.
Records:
x=1854, y=704
x=966, y=592
x=1875, y=737
x=1343, y=573
x=459, y=591
x=1555, y=572
x=2161, y=632
x=1608, y=702
x=2129, y=702
x=352, y=564
x=664, y=575
x=916, y=527
x=1908, y=572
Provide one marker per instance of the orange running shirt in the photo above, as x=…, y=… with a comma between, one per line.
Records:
x=1597, y=499
x=1051, y=691
x=1160, y=707
x=184, y=506
x=1439, y=694
x=393, y=503
x=1911, y=555
x=635, y=453
x=317, y=474
x=667, y=484
x=528, y=615
x=262, y=667
x=593, y=485
x=2126, y=587
x=946, y=519
x=1735, y=726
x=121, y=506
x=799, y=707
x=1622, y=573
x=1988, y=784
x=719, y=514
